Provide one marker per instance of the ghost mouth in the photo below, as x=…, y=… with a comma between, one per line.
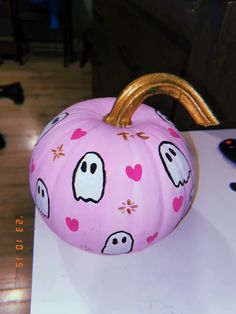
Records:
x=89, y=199
x=182, y=182
x=41, y=212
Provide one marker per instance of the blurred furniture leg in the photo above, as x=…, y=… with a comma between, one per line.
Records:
x=17, y=31
x=2, y=141
x=68, y=32
x=15, y=92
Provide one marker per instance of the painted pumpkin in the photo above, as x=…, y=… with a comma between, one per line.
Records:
x=110, y=186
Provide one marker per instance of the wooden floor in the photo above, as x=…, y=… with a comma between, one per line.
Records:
x=49, y=88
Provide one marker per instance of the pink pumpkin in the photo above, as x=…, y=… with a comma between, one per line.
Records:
x=111, y=187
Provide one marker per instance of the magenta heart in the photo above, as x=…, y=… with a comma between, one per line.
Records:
x=177, y=203
x=32, y=167
x=78, y=133
x=173, y=133
x=151, y=238
x=72, y=224
x=134, y=173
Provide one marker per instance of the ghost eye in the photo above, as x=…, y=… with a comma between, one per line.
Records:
x=172, y=151
x=55, y=120
x=93, y=168
x=38, y=189
x=42, y=193
x=169, y=157
x=84, y=166
x=124, y=240
x=114, y=241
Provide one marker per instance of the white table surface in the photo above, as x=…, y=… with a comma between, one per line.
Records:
x=193, y=270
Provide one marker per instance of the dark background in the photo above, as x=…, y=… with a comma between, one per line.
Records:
x=125, y=39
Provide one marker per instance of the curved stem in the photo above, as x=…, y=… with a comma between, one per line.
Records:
x=159, y=83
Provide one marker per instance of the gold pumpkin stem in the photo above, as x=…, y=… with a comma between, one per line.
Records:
x=159, y=83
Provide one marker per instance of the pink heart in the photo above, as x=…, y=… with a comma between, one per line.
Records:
x=32, y=168
x=173, y=133
x=72, y=224
x=78, y=133
x=151, y=238
x=177, y=203
x=134, y=173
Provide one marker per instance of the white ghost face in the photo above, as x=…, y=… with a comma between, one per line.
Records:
x=42, y=198
x=52, y=123
x=175, y=163
x=89, y=178
x=118, y=243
